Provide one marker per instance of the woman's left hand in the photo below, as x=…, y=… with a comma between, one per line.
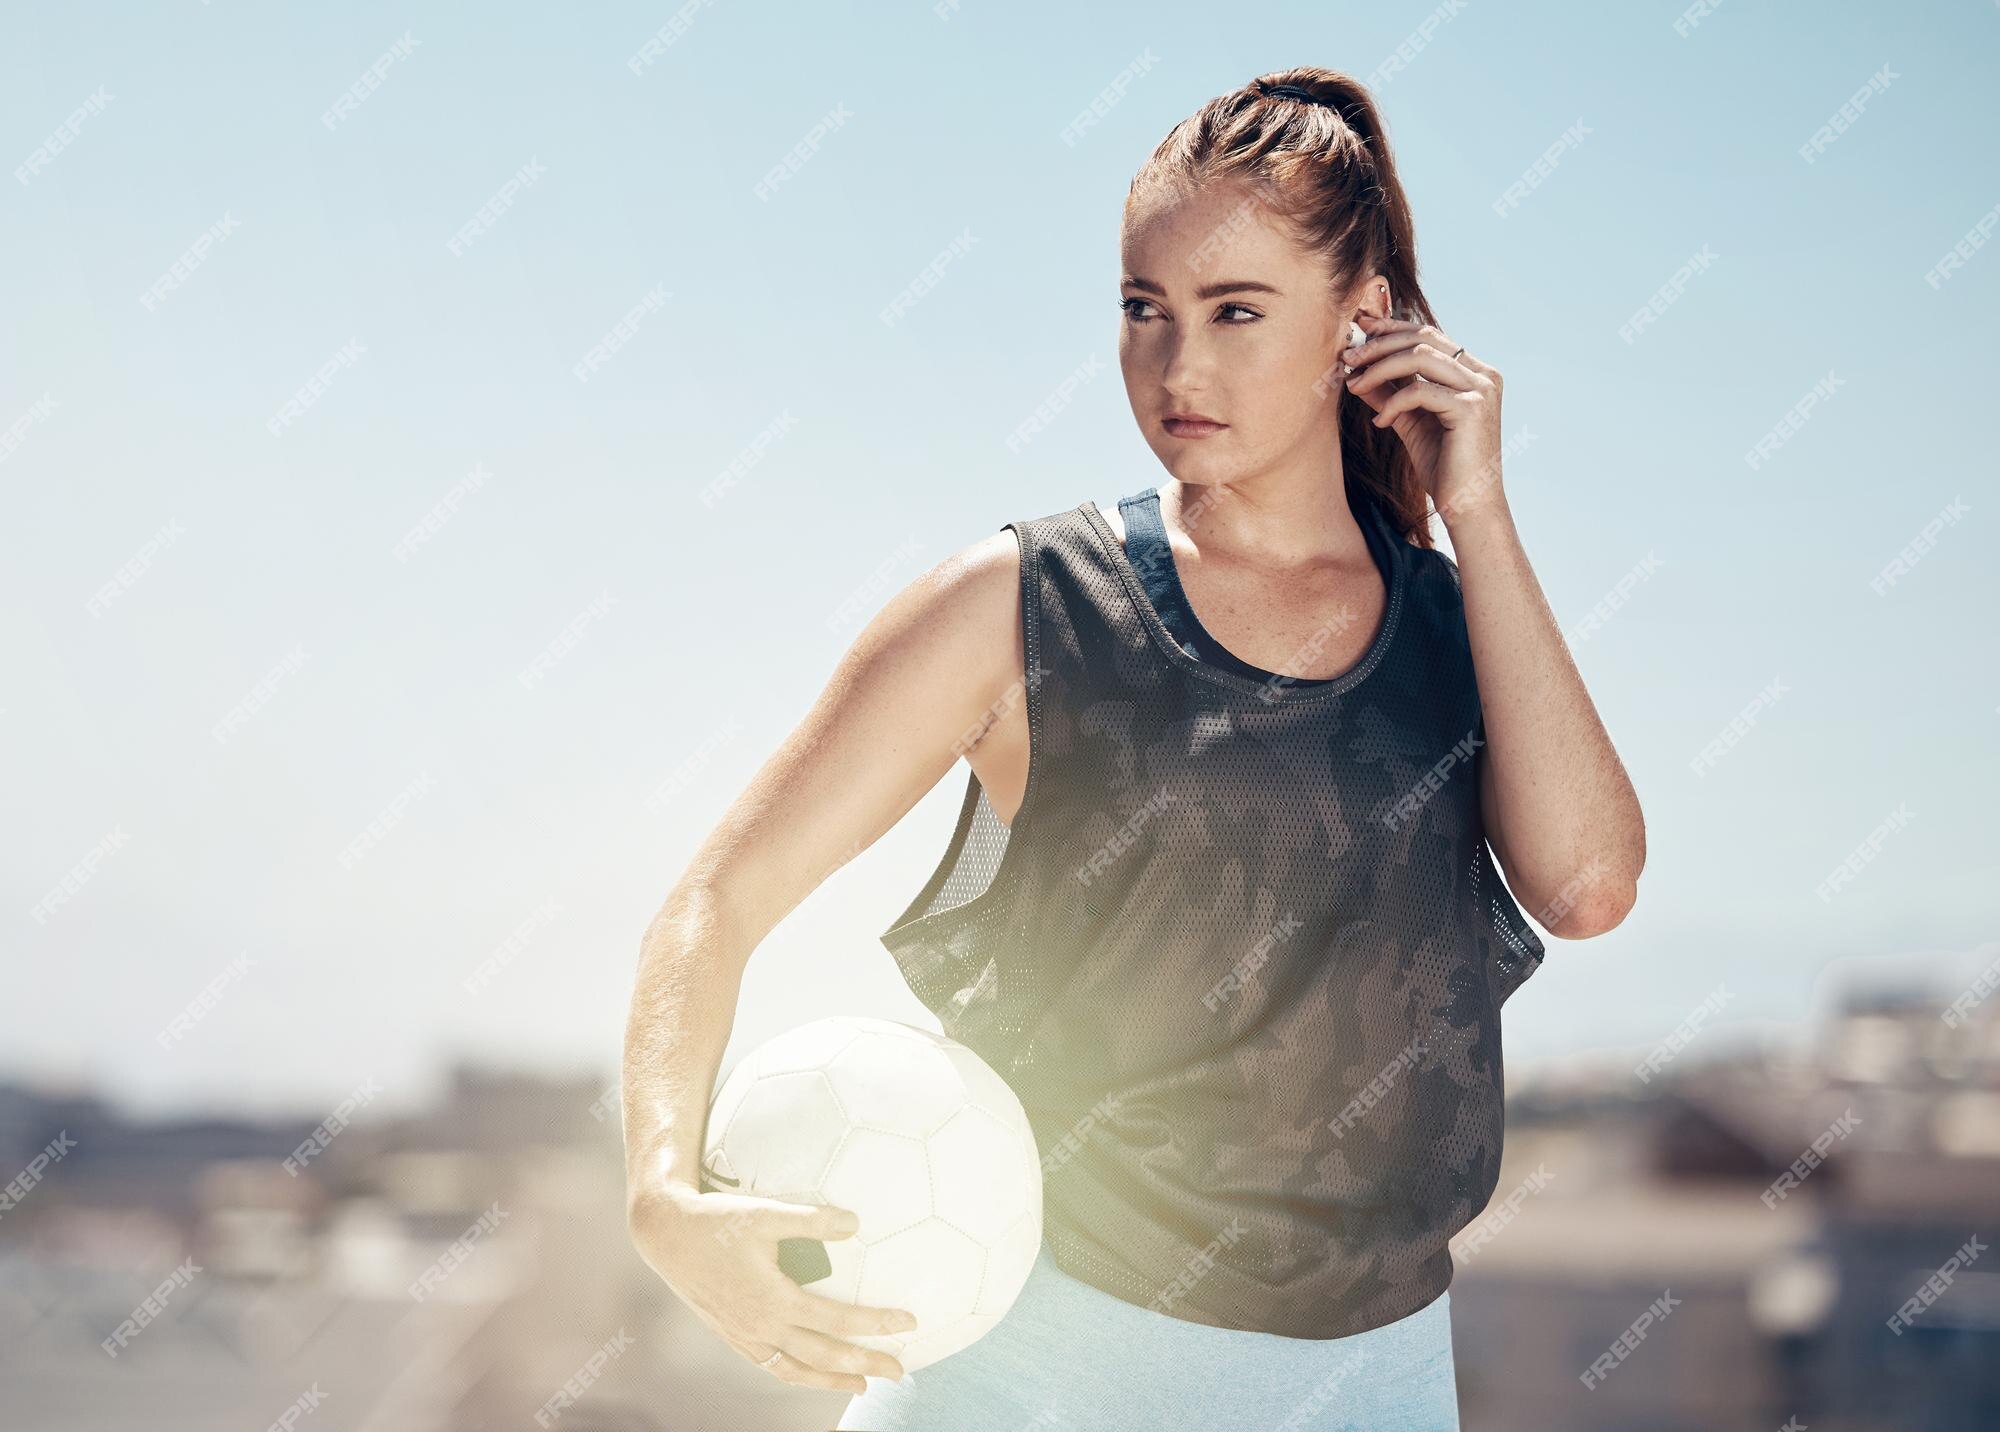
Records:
x=1445, y=408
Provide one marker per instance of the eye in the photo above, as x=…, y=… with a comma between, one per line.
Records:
x=1131, y=307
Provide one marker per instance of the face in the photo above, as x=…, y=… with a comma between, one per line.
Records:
x=1227, y=318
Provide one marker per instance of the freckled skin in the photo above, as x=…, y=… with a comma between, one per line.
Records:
x=1256, y=373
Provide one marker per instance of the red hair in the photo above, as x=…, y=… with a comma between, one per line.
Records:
x=1323, y=167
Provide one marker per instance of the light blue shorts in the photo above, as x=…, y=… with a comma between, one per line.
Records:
x=1071, y=1356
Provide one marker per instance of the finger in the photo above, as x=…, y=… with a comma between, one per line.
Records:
x=787, y=1368
x=756, y=1352
x=1374, y=323
x=1484, y=369
x=832, y=1355
x=1385, y=333
x=799, y=1374
x=1419, y=393
x=1420, y=361
x=1405, y=333
x=844, y=1320
x=1373, y=397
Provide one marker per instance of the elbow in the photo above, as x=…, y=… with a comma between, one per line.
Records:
x=1600, y=910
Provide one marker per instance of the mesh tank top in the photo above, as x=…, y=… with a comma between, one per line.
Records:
x=1242, y=951
x=1152, y=557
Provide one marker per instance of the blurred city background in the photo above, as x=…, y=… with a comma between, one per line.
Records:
x=444, y=452
x=455, y=1269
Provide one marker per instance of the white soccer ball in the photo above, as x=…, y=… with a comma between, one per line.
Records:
x=921, y=1139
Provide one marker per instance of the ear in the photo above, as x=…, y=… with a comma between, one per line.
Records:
x=1372, y=295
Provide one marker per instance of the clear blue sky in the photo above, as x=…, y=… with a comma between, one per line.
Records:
x=273, y=555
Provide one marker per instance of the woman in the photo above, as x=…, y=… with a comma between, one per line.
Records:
x=1220, y=902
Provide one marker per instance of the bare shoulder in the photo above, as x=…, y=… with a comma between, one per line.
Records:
x=951, y=641
x=916, y=691
x=969, y=601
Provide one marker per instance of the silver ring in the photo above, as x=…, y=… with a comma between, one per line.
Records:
x=1461, y=349
x=775, y=1355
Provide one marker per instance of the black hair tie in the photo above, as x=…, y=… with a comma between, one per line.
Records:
x=1294, y=92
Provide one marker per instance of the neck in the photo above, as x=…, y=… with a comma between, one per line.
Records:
x=1278, y=519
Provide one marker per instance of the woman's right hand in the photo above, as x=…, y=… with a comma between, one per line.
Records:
x=719, y=1253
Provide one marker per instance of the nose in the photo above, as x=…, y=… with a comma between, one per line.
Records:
x=1185, y=361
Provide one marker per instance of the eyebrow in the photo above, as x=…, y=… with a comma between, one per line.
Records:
x=1207, y=290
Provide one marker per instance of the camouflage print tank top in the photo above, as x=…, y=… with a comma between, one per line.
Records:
x=1241, y=952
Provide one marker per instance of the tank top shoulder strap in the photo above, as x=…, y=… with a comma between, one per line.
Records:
x=1077, y=611
x=1145, y=530
x=1085, y=641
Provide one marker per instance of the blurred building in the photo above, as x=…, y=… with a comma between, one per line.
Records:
x=446, y=1272
x=1782, y=1262
x=457, y=1270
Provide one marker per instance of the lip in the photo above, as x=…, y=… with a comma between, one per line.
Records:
x=1191, y=425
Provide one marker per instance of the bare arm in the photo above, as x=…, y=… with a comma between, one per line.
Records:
x=1560, y=812
x=898, y=711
